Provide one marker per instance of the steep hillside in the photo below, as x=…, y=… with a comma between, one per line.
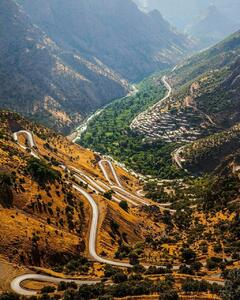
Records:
x=39, y=208
x=209, y=82
x=202, y=99
x=34, y=211
x=44, y=82
x=210, y=153
x=130, y=42
x=204, y=96
x=224, y=53
x=51, y=191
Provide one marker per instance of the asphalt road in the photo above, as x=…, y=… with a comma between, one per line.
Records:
x=16, y=284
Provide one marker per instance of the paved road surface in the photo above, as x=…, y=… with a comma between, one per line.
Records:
x=16, y=283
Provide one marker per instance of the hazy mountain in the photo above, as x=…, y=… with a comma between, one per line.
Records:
x=124, y=38
x=230, y=8
x=40, y=80
x=175, y=10
x=212, y=27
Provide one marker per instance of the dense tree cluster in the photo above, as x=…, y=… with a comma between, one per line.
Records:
x=42, y=172
x=231, y=291
x=110, y=133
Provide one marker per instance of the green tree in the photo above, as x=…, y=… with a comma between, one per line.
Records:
x=188, y=255
x=41, y=171
x=124, y=205
x=119, y=277
x=108, y=195
x=48, y=289
x=231, y=290
x=169, y=295
x=6, y=194
x=9, y=296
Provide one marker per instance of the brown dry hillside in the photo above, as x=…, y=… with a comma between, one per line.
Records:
x=45, y=223
x=36, y=217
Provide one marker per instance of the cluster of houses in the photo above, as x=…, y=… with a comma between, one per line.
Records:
x=167, y=126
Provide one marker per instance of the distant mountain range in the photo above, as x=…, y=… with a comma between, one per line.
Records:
x=175, y=10
x=211, y=27
x=209, y=21
x=61, y=60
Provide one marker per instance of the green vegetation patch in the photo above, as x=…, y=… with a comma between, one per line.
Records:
x=42, y=172
x=110, y=133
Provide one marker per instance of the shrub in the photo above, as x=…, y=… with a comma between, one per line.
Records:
x=185, y=270
x=86, y=292
x=109, y=271
x=6, y=194
x=48, y=289
x=156, y=270
x=124, y=205
x=63, y=285
x=231, y=290
x=190, y=285
x=119, y=277
x=214, y=263
x=108, y=194
x=188, y=254
x=169, y=295
x=9, y=296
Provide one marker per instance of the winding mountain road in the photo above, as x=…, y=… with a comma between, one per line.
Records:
x=112, y=170
x=30, y=141
x=102, y=188
x=16, y=284
x=93, y=232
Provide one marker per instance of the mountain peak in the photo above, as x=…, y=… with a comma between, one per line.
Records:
x=213, y=12
x=211, y=27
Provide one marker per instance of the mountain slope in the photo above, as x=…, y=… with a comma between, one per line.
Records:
x=210, y=84
x=44, y=219
x=213, y=152
x=212, y=27
x=127, y=40
x=41, y=80
x=204, y=100
x=205, y=96
x=45, y=216
x=215, y=75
